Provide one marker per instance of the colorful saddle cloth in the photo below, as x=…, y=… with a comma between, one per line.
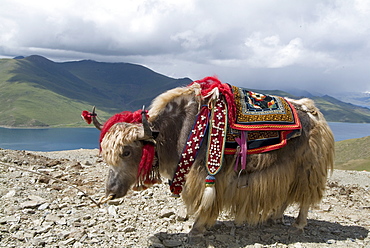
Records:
x=269, y=121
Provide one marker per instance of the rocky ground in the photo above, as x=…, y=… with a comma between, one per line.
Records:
x=36, y=211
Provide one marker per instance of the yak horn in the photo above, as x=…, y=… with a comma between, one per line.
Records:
x=147, y=130
x=95, y=120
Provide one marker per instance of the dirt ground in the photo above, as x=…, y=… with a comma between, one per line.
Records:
x=36, y=211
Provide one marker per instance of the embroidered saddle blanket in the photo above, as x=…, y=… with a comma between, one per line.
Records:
x=269, y=121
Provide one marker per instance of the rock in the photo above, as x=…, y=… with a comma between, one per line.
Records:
x=155, y=242
x=182, y=214
x=38, y=242
x=224, y=238
x=76, y=234
x=87, y=162
x=165, y=213
x=14, y=228
x=112, y=211
x=10, y=194
x=129, y=229
x=67, y=242
x=30, y=204
x=43, y=206
x=43, y=229
x=52, y=218
x=171, y=243
x=9, y=219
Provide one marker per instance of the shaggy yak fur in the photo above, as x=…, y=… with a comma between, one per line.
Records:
x=296, y=173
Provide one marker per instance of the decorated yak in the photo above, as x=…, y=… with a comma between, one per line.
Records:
x=223, y=148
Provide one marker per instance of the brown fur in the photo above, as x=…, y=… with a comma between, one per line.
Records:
x=295, y=173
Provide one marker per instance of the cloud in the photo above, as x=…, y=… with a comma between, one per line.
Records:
x=244, y=42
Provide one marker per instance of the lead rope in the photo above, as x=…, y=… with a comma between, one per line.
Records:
x=101, y=201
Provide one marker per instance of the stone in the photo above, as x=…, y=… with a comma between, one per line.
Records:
x=112, y=211
x=76, y=234
x=182, y=214
x=67, y=242
x=129, y=229
x=165, y=213
x=52, y=218
x=224, y=238
x=155, y=242
x=10, y=194
x=9, y=219
x=38, y=242
x=43, y=229
x=43, y=206
x=171, y=243
x=36, y=198
x=30, y=204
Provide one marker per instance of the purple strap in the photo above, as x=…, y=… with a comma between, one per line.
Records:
x=242, y=142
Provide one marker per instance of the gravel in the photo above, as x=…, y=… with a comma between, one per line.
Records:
x=38, y=211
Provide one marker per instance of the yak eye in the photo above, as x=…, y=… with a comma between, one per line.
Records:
x=126, y=153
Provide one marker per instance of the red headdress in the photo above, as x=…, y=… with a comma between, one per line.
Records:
x=209, y=83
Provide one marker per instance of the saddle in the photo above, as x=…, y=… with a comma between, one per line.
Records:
x=269, y=121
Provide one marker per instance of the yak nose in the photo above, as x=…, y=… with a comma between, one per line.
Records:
x=115, y=186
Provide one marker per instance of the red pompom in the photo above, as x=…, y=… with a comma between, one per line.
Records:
x=87, y=116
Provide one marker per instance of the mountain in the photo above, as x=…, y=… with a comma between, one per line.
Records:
x=338, y=111
x=37, y=92
x=357, y=98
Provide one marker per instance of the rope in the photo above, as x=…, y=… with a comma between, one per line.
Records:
x=53, y=178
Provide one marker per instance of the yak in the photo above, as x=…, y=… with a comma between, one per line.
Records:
x=192, y=125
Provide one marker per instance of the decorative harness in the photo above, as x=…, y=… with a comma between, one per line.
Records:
x=236, y=124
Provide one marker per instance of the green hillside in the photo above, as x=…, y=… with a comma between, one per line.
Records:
x=37, y=92
x=338, y=111
x=353, y=154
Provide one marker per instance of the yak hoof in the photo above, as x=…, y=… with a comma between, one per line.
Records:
x=195, y=239
x=298, y=229
x=196, y=236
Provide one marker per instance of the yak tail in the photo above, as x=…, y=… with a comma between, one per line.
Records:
x=209, y=196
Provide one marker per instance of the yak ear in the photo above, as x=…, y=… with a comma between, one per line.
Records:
x=148, y=133
x=155, y=134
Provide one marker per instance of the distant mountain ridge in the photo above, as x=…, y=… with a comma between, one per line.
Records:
x=37, y=92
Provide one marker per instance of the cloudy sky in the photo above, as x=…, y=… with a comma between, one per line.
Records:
x=318, y=45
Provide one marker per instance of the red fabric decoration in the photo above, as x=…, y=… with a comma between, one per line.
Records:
x=209, y=83
x=125, y=116
x=87, y=116
x=146, y=163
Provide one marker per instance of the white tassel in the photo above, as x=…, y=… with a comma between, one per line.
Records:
x=209, y=196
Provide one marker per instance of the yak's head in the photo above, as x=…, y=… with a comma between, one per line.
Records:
x=128, y=146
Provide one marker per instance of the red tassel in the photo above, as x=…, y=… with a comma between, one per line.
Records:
x=146, y=163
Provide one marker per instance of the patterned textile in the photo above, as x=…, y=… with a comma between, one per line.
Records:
x=269, y=121
x=255, y=111
x=190, y=150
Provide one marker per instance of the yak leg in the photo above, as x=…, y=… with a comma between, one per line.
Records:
x=204, y=219
x=278, y=216
x=301, y=220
